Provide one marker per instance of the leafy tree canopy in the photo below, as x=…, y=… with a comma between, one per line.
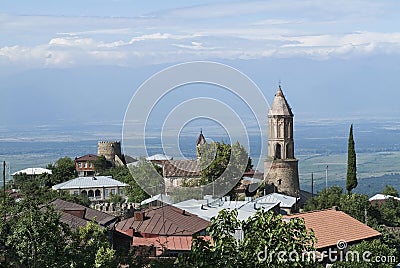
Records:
x=33, y=236
x=101, y=164
x=390, y=190
x=223, y=164
x=250, y=243
x=63, y=170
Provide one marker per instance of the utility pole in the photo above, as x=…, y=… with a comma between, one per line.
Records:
x=312, y=184
x=4, y=205
x=4, y=188
x=326, y=178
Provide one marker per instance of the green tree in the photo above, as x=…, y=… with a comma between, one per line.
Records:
x=356, y=205
x=101, y=164
x=86, y=246
x=116, y=198
x=37, y=238
x=105, y=258
x=62, y=170
x=390, y=190
x=327, y=198
x=264, y=233
x=389, y=212
x=146, y=180
x=351, y=178
x=224, y=165
x=376, y=248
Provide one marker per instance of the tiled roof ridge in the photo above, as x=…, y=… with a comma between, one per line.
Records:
x=334, y=208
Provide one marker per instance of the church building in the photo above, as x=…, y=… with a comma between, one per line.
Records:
x=281, y=166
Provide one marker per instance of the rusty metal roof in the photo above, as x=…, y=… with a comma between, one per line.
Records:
x=166, y=220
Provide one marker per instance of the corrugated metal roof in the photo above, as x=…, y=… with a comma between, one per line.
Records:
x=100, y=217
x=89, y=182
x=382, y=197
x=33, y=171
x=284, y=200
x=245, y=209
x=160, y=197
x=166, y=220
x=158, y=157
x=183, y=243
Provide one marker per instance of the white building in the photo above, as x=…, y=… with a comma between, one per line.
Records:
x=97, y=188
x=33, y=171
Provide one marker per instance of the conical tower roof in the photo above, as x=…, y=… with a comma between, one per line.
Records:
x=280, y=106
x=201, y=140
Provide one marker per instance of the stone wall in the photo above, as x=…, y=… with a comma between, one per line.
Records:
x=283, y=175
x=109, y=149
x=117, y=209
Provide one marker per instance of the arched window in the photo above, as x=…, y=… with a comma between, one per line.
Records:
x=97, y=193
x=278, y=151
x=90, y=193
x=84, y=192
x=289, y=151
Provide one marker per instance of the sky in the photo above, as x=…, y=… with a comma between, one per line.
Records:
x=80, y=62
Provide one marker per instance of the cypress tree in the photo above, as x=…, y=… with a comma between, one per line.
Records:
x=351, y=179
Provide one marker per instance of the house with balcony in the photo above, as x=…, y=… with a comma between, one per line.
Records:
x=97, y=188
x=84, y=165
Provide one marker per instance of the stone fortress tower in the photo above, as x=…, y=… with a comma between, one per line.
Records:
x=281, y=167
x=111, y=151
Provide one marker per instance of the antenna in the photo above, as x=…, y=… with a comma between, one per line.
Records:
x=326, y=178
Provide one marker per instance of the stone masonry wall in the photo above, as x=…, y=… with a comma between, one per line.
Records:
x=283, y=174
x=109, y=149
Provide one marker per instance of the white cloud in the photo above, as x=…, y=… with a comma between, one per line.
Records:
x=234, y=30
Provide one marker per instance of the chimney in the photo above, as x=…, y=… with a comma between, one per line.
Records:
x=130, y=231
x=138, y=216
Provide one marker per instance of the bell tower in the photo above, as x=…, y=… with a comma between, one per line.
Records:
x=200, y=141
x=281, y=167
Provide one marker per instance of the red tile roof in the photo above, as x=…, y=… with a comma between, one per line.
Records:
x=167, y=220
x=332, y=225
x=88, y=157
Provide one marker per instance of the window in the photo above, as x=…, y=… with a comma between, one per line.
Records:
x=106, y=192
x=97, y=193
x=80, y=164
x=90, y=164
x=120, y=191
x=85, y=164
x=278, y=153
x=76, y=192
x=113, y=191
